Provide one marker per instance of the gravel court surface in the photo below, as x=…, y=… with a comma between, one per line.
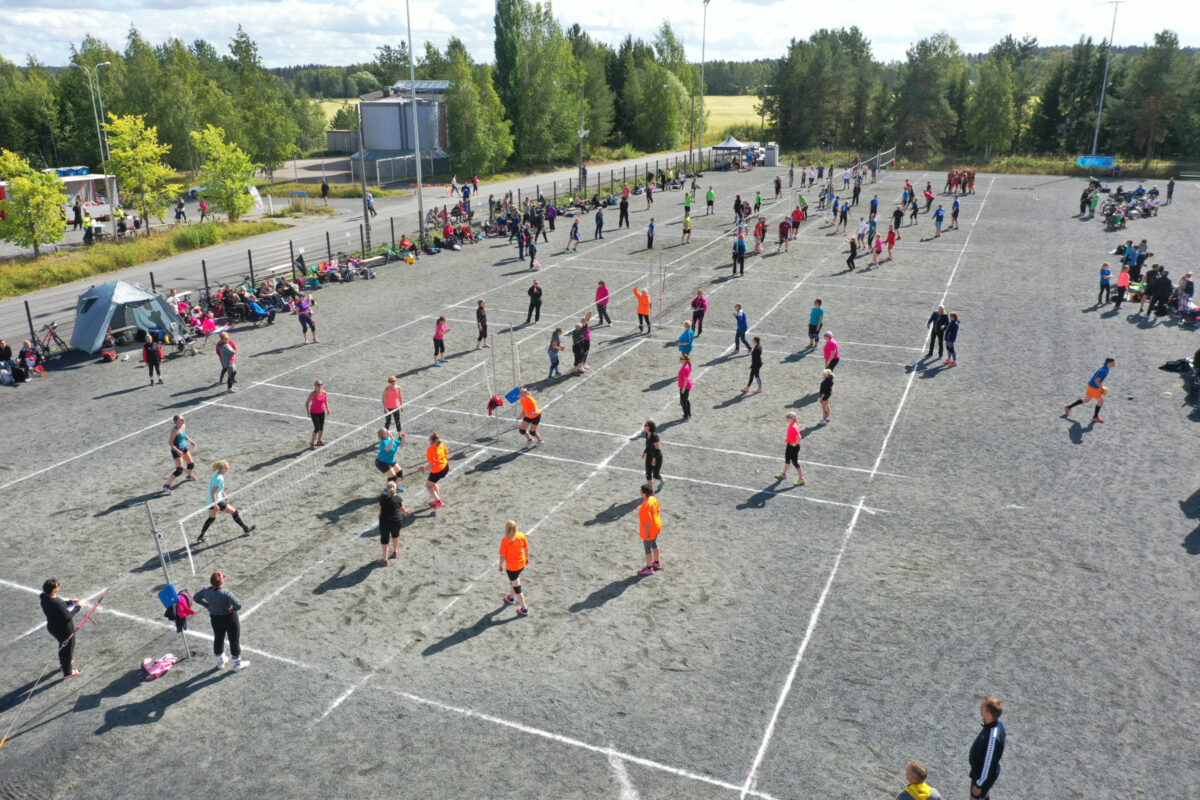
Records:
x=951, y=440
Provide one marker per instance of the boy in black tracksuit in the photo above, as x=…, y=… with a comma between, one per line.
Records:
x=987, y=749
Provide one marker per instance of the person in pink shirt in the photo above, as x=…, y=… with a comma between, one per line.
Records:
x=317, y=406
x=685, y=385
x=699, y=306
x=1122, y=287
x=602, y=304
x=831, y=351
x=439, y=344
x=791, y=451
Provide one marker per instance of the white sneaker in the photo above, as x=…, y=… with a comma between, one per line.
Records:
x=221, y=661
x=239, y=664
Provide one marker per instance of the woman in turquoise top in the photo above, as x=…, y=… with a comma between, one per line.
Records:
x=385, y=459
x=217, y=501
x=686, y=338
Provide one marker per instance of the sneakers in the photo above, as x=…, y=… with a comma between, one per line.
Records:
x=509, y=599
x=656, y=567
x=73, y=674
x=1097, y=419
x=239, y=664
x=433, y=503
x=799, y=482
x=222, y=661
x=167, y=489
x=646, y=571
x=779, y=475
x=824, y=420
x=190, y=479
x=160, y=381
x=661, y=484
x=438, y=504
x=523, y=611
x=203, y=538
x=249, y=530
x=1067, y=412
x=383, y=562
x=758, y=390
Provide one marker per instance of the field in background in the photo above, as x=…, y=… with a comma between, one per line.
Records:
x=725, y=110
x=331, y=106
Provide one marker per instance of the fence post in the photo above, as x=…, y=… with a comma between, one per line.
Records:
x=392, y=225
x=292, y=253
x=555, y=191
x=612, y=178
x=328, y=248
x=624, y=177
x=207, y=294
x=570, y=187
x=153, y=288
x=29, y=318
x=250, y=260
x=538, y=190
x=362, y=243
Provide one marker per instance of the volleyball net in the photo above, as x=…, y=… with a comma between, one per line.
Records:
x=343, y=470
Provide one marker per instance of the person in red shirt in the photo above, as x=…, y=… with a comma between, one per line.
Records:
x=785, y=231
x=514, y=556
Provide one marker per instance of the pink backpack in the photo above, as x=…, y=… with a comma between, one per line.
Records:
x=155, y=669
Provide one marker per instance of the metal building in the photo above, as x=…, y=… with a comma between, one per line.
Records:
x=387, y=120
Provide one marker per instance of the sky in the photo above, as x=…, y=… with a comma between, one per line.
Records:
x=348, y=31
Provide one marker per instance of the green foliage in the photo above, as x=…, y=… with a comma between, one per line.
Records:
x=990, y=118
x=365, y=82
x=137, y=163
x=33, y=212
x=1154, y=92
x=921, y=111
x=225, y=173
x=346, y=119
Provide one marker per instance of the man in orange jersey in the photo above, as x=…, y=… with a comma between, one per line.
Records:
x=649, y=526
x=531, y=415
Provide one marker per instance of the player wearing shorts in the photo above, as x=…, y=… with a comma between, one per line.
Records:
x=439, y=465
x=816, y=318
x=573, y=238
x=217, y=501
x=385, y=459
x=649, y=527
x=178, y=441
x=393, y=401
x=514, y=556
x=791, y=449
x=317, y=406
x=391, y=517
x=1095, y=390
x=652, y=455
x=531, y=415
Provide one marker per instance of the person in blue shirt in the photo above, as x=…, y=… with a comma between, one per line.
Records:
x=650, y=235
x=987, y=749
x=939, y=217
x=739, y=336
x=954, y=214
x=739, y=255
x=874, y=206
x=599, y=234
x=385, y=459
x=1095, y=390
x=951, y=338
x=872, y=230
x=816, y=318
x=1105, y=285
x=686, y=338
x=218, y=501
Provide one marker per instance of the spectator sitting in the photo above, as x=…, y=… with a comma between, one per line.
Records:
x=465, y=234
x=448, y=234
x=288, y=291
x=30, y=361
x=6, y=353
x=207, y=325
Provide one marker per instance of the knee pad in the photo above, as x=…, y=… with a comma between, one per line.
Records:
x=178, y=471
x=516, y=588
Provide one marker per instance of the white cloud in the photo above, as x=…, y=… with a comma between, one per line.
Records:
x=332, y=32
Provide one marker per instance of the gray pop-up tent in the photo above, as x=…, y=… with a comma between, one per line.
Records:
x=119, y=305
x=732, y=144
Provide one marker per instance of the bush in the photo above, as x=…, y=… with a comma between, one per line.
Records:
x=193, y=237
x=745, y=132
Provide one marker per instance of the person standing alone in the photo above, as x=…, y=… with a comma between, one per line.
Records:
x=1095, y=390
x=535, y=303
x=60, y=624
x=222, y=607
x=987, y=749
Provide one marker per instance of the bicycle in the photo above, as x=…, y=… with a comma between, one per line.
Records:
x=50, y=339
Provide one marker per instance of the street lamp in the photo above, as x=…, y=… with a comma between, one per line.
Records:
x=100, y=96
x=1116, y=4
x=362, y=172
x=703, y=35
x=412, y=80
x=582, y=133
x=762, y=114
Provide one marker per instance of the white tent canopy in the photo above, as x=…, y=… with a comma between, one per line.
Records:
x=732, y=144
x=119, y=305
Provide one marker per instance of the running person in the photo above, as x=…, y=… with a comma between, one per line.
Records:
x=217, y=502
x=825, y=392
x=816, y=318
x=317, y=406
x=685, y=385
x=393, y=403
x=531, y=415
x=304, y=310
x=652, y=455
x=385, y=459
x=391, y=518
x=1095, y=390
x=439, y=465
x=755, y=366
x=649, y=527
x=439, y=341
x=741, y=326
x=481, y=324
x=178, y=441
x=791, y=450
x=514, y=557
x=222, y=607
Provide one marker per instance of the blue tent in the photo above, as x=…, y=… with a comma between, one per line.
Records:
x=119, y=305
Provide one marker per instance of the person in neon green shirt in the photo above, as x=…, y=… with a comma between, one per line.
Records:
x=709, y=199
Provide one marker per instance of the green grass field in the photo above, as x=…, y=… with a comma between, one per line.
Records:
x=332, y=105
x=726, y=110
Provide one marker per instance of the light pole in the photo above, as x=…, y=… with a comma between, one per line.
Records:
x=362, y=174
x=582, y=133
x=100, y=97
x=114, y=202
x=1116, y=4
x=95, y=114
x=703, y=34
x=412, y=80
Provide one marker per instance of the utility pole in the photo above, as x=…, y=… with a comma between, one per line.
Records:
x=362, y=174
x=1116, y=4
x=703, y=34
x=412, y=80
x=114, y=202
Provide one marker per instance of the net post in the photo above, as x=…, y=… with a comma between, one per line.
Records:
x=187, y=547
x=162, y=560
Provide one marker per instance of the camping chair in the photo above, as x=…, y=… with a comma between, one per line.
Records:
x=257, y=313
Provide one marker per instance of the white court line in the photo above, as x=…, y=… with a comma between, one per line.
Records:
x=576, y=743
x=281, y=414
x=848, y=285
x=808, y=632
x=618, y=768
x=87, y=599
x=587, y=376
x=908, y=386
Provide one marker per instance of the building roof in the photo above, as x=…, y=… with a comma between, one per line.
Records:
x=423, y=86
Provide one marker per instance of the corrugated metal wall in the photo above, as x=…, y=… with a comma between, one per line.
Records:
x=381, y=126
x=341, y=141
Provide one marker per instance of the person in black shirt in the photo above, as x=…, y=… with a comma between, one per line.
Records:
x=853, y=242
x=938, y=320
x=623, y=216
x=652, y=455
x=58, y=621
x=825, y=392
x=755, y=366
x=897, y=217
x=325, y=192
x=535, y=303
x=987, y=749
x=481, y=324
x=391, y=517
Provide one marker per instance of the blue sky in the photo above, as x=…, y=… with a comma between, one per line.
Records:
x=345, y=31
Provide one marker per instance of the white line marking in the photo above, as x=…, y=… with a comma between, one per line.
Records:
x=808, y=632
x=908, y=386
x=275, y=593
x=618, y=768
x=281, y=414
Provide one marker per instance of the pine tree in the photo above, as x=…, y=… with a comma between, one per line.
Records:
x=990, y=124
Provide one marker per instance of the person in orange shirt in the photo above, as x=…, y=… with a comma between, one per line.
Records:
x=643, y=308
x=439, y=464
x=514, y=555
x=531, y=416
x=649, y=526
